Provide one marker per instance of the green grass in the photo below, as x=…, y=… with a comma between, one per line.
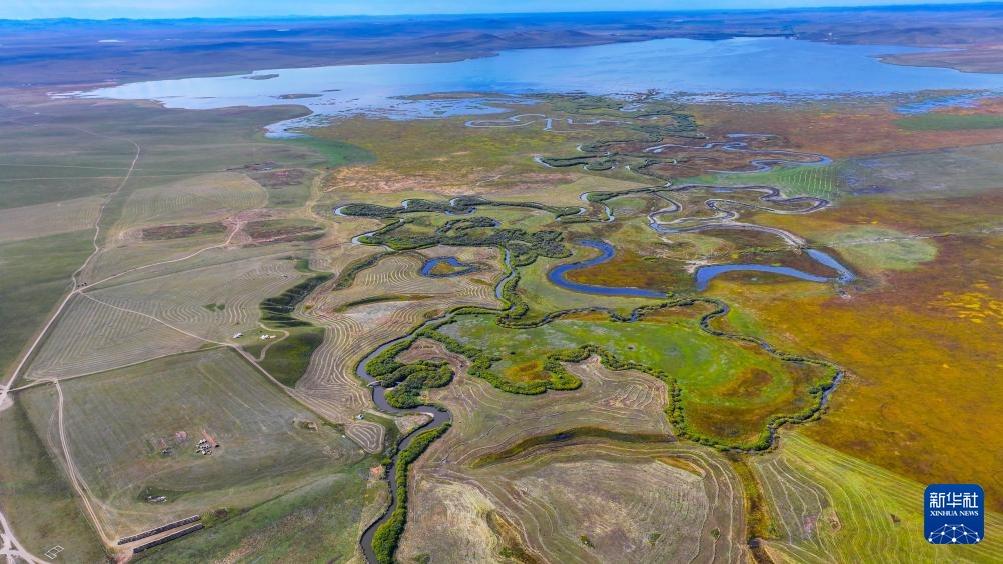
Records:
x=264, y=453
x=288, y=359
x=878, y=248
x=277, y=311
x=16, y=193
x=316, y=522
x=937, y=121
x=862, y=510
x=729, y=390
x=820, y=181
x=36, y=274
x=334, y=153
x=381, y=299
x=565, y=436
x=35, y=496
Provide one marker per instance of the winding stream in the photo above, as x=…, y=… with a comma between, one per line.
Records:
x=705, y=274
x=439, y=418
x=558, y=275
x=725, y=216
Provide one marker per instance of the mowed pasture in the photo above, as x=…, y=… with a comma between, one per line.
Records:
x=36, y=273
x=37, y=497
x=196, y=198
x=217, y=197
x=587, y=475
x=820, y=181
x=356, y=323
x=92, y=337
x=160, y=296
x=132, y=433
x=62, y=154
x=160, y=314
x=41, y=220
x=831, y=507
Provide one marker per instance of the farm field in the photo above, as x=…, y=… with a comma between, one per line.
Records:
x=155, y=413
x=528, y=326
x=496, y=488
x=832, y=507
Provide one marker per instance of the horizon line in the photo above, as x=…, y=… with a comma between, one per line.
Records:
x=860, y=7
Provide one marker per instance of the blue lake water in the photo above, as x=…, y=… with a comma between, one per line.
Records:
x=930, y=104
x=705, y=274
x=426, y=269
x=558, y=275
x=843, y=274
x=766, y=67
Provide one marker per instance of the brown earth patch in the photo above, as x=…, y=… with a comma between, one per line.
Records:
x=278, y=230
x=167, y=232
x=748, y=382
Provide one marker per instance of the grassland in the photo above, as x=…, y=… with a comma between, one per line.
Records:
x=159, y=313
x=946, y=173
x=36, y=274
x=152, y=414
x=948, y=301
x=660, y=499
x=851, y=128
x=61, y=157
x=36, y=496
x=935, y=121
x=67, y=167
x=319, y=517
x=216, y=220
x=819, y=181
x=288, y=359
x=877, y=249
x=830, y=507
x=878, y=239
x=728, y=390
x=53, y=218
x=336, y=153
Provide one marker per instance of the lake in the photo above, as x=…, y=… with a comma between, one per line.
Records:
x=751, y=68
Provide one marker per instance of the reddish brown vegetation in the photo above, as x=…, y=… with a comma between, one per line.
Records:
x=864, y=129
x=165, y=232
x=922, y=364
